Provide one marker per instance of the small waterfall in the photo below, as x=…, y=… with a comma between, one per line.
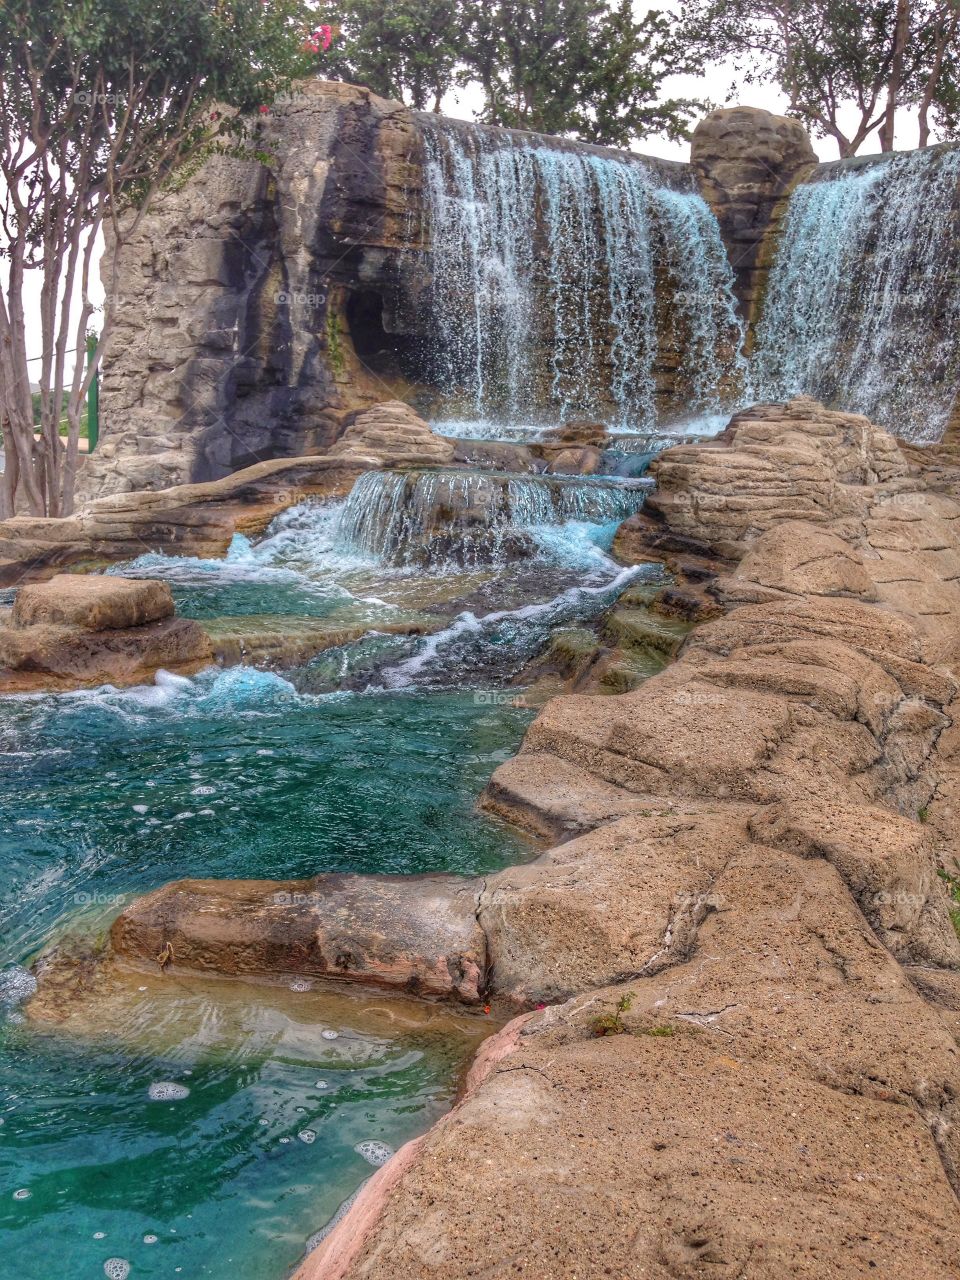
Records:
x=571, y=282
x=863, y=303
x=472, y=518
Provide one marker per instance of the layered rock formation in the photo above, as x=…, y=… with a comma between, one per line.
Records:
x=747, y=160
x=74, y=631
x=193, y=519
x=248, y=292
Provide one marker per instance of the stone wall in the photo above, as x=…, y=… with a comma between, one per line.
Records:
x=238, y=293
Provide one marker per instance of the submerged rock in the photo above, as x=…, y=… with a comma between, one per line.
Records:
x=414, y=933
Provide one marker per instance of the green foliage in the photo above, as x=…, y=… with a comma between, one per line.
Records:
x=583, y=68
x=334, y=341
x=837, y=60
x=408, y=49
x=130, y=86
x=579, y=67
x=84, y=423
x=611, y=1024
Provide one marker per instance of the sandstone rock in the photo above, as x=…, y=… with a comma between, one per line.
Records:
x=393, y=434
x=414, y=933
x=94, y=602
x=746, y=159
x=585, y=461
x=195, y=519
x=46, y=656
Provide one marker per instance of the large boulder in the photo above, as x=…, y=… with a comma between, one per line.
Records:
x=414, y=933
x=94, y=602
x=77, y=630
x=393, y=433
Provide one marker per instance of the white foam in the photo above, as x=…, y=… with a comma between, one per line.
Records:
x=375, y=1153
x=307, y=1136
x=16, y=985
x=167, y=1091
x=116, y=1269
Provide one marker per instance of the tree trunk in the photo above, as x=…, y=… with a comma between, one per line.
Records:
x=900, y=36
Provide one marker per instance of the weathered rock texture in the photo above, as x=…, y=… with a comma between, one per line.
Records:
x=747, y=160
x=746, y=912
x=393, y=434
x=74, y=631
x=415, y=933
x=248, y=297
x=194, y=519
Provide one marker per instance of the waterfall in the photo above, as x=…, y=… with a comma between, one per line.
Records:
x=863, y=303
x=571, y=282
x=471, y=518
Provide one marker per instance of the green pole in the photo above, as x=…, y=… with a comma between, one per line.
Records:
x=93, y=398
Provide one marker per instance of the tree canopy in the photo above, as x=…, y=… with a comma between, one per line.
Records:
x=99, y=104
x=583, y=68
x=839, y=60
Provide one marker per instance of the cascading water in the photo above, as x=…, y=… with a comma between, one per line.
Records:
x=566, y=281
x=863, y=305
x=470, y=518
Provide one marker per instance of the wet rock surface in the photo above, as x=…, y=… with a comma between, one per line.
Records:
x=76, y=631
x=418, y=934
x=189, y=519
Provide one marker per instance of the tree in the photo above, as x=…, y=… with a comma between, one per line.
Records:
x=585, y=68
x=99, y=104
x=577, y=67
x=835, y=57
x=405, y=49
x=937, y=87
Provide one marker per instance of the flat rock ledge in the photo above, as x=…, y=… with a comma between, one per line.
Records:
x=75, y=631
x=746, y=1063
x=188, y=519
